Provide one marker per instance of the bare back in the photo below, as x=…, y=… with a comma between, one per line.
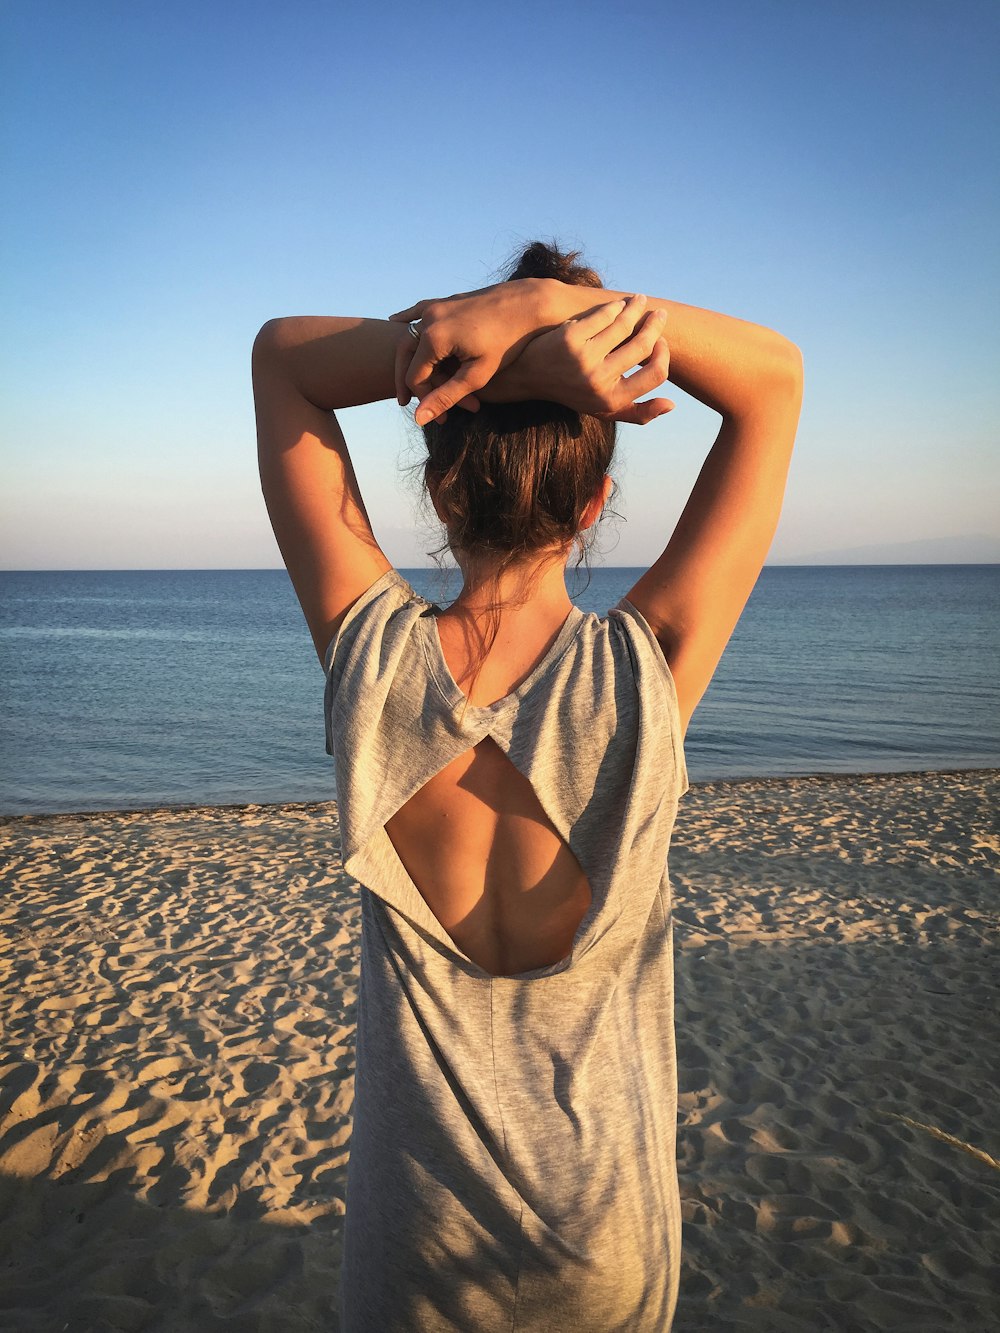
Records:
x=476, y=842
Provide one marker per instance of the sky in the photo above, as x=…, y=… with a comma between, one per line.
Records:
x=174, y=175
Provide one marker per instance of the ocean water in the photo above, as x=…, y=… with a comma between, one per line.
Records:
x=125, y=690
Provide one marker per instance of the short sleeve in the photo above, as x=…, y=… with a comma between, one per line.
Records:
x=361, y=631
x=652, y=666
x=391, y=579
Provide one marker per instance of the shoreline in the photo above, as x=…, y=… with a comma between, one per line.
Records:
x=178, y=990
x=868, y=776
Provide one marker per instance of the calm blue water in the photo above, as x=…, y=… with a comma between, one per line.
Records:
x=130, y=689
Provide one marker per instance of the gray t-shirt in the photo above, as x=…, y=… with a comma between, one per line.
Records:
x=513, y=1154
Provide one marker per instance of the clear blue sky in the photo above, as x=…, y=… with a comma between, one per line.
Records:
x=173, y=175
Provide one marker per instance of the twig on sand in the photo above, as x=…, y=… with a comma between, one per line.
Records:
x=946, y=1138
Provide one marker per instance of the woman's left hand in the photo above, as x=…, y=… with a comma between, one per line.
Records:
x=584, y=364
x=464, y=341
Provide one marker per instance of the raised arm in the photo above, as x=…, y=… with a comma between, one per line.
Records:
x=303, y=369
x=695, y=592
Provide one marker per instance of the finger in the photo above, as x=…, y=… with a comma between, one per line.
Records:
x=611, y=325
x=438, y=377
x=641, y=414
x=593, y=322
x=411, y=312
x=469, y=377
x=421, y=368
x=653, y=359
x=401, y=365
x=629, y=336
x=424, y=392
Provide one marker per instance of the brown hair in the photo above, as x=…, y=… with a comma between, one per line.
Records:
x=514, y=478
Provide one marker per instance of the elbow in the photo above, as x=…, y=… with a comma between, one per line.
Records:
x=783, y=374
x=269, y=348
x=795, y=355
x=265, y=342
x=797, y=375
x=789, y=358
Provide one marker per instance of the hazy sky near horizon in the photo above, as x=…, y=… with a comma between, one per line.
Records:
x=175, y=175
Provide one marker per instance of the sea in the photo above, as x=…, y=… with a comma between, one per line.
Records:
x=135, y=689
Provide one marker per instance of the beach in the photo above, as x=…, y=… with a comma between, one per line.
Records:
x=177, y=999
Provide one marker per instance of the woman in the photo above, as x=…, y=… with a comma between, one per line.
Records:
x=508, y=772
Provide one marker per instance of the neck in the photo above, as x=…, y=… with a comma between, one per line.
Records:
x=538, y=581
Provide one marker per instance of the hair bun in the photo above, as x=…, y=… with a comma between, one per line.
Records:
x=539, y=260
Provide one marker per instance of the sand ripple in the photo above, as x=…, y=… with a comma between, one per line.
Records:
x=178, y=998
x=838, y=991
x=177, y=993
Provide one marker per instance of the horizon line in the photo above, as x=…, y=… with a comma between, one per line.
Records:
x=268, y=569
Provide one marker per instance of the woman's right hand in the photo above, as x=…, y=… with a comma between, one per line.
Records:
x=584, y=364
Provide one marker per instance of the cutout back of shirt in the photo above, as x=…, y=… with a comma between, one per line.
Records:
x=565, y=795
x=490, y=864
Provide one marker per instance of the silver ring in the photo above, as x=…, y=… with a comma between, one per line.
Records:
x=414, y=327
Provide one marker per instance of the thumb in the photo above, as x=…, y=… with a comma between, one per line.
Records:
x=641, y=414
x=469, y=377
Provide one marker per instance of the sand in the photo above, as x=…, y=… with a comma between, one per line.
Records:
x=177, y=993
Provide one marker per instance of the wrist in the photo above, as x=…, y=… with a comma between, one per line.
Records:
x=535, y=305
x=554, y=302
x=560, y=301
x=512, y=384
x=527, y=309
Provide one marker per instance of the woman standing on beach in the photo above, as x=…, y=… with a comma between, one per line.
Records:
x=508, y=772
